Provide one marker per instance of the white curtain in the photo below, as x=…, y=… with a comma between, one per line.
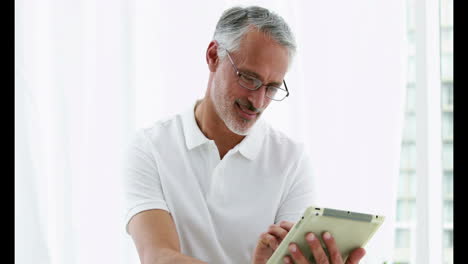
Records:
x=89, y=73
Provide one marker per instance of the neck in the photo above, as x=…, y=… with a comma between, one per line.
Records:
x=214, y=128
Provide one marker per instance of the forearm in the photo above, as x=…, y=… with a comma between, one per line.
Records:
x=169, y=256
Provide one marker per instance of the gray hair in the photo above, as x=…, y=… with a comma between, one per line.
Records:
x=235, y=22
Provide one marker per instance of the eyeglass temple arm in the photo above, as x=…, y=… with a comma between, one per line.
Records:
x=286, y=87
x=229, y=56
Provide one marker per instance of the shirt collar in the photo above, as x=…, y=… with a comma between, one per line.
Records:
x=193, y=135
x=249, y=147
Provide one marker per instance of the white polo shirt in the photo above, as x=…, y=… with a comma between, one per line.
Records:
x=220, y=207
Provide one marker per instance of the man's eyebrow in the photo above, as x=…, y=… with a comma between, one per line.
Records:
x=254, y=74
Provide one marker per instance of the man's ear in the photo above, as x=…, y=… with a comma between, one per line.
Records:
x=212, y=58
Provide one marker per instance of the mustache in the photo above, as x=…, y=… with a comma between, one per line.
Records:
x=247, y=104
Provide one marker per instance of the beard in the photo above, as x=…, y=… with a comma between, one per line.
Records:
x=225, y=109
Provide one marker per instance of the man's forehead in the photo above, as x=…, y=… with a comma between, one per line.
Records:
x=255, y=38
x=259, y=51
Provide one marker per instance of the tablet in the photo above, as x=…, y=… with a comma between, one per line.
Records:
x=349, y=229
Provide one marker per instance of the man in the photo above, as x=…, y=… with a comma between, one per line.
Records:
x=216, y=184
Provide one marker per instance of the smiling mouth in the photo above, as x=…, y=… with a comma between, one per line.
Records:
x=246, y=114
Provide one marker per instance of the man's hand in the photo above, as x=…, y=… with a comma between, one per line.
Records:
x=319, y=253
x=269, y=241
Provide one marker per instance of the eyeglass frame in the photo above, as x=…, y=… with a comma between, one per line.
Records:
x=239, y=73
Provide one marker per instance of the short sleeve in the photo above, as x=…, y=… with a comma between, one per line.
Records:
x=142, y=185
x=300, y=193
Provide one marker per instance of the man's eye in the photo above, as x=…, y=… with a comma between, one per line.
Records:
x=272, y=90
x=248, y=78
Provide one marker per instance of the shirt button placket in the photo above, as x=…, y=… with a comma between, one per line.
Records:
x=217, y=178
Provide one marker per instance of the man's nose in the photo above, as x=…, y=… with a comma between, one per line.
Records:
x=258, y=97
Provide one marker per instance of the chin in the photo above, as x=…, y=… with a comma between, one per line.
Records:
x=241, y=126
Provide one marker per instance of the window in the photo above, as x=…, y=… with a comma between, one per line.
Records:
x=406, y=210
x=448, y=239
x=408, y=238
x=446, y=53
x=403, y=238
x=406, y=203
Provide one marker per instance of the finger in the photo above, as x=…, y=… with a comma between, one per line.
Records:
x=317, y=249
x=355, y=256
x=268, y=240
x=297, y=255
x=286, y=225
x=333, y=251
x=287, y=260
x=279, y=232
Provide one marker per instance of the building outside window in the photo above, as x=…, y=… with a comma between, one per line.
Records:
x=406, y=235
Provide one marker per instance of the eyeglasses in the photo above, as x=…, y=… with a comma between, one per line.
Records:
x=274, y=92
